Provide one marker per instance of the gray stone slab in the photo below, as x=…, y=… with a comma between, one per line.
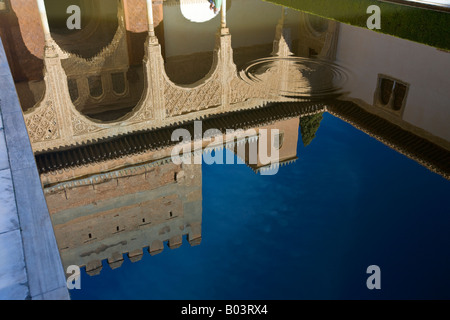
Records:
x=45, y=271
x=16, y=134
x=4, y=72
x=8, y=97
x=4, y=160
x=4, y=66
x=13, y=276
x=9, y=220
x=17, y=140
x=8, y=101
x=58, y=294
x=14, y=292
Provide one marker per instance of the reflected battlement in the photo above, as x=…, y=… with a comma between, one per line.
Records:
x=141, y=209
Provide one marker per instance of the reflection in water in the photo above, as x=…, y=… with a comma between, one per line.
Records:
x=98, y=23
x=159, y=202
x=102, y=118
x=145, y=205
x=199, y=11
x=104, y=81
x=304, y=78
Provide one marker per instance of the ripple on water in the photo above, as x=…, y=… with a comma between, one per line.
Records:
x=297, y=77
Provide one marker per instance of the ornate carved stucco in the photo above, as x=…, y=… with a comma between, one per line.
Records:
x=180, y=100
x=81, y=126
x=162, y=102
x=42, y=126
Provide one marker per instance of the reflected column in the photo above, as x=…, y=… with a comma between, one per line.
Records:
x=282, y=42
x=281, y=49
x=223, y=19
x=44, y=21
x=225, y=58
x=56, y=106
x=151, y=26
x=224, y=14
x=154, y=68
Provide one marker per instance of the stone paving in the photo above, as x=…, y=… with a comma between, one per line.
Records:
x=30, y=264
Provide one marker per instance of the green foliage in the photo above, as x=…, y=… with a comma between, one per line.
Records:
x=415, y=24
x=309, y=126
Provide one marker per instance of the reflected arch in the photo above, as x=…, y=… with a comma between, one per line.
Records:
x=99, y=24
x=190, y=40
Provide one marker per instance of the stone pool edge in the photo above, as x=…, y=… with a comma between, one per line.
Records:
x=30, y=265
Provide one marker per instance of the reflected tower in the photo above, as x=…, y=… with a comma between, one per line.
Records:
x=104, y=217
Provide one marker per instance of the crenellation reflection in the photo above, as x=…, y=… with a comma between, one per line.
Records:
x=144, y=209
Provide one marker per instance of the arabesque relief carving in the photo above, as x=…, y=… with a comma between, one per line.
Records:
x=56, y=122
x=43, y=126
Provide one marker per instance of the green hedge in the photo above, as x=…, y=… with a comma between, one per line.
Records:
x=415, y=24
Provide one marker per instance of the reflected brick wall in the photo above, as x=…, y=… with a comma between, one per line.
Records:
x=123, y=215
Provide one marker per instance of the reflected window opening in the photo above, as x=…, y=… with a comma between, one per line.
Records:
x=391, y=93
x=278, y=140
x=95, y=86
x=118, y=82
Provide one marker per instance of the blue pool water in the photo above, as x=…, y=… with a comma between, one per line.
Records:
x=308, y=232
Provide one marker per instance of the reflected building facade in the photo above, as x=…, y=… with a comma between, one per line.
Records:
x=102, y=217
x=100, y=105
